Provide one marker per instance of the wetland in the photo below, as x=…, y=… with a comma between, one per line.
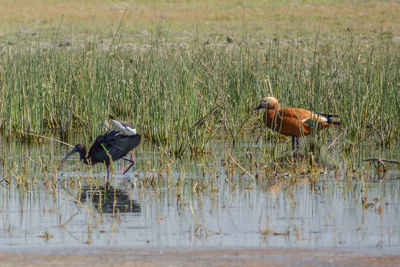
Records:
x=221, y=200
x=211, y=184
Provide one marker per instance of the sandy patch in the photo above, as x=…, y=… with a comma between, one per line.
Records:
x=217, y=257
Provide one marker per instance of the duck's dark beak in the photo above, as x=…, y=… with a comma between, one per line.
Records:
x=67, y=156
x=259, y=107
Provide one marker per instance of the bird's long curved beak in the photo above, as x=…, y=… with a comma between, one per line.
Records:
x=259, y=107
x=66, y=157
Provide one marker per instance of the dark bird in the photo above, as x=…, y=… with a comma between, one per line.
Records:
x=294, y=122
x=113, y=145
x=124, y=127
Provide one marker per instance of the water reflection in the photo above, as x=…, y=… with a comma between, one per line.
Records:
x=200, y=202
x=108, y=199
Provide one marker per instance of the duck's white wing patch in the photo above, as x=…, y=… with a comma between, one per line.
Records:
x=315, y=120
x=316, y=117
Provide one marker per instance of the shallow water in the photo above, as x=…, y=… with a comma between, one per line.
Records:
x=198, y=202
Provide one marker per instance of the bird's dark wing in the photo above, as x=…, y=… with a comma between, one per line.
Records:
x=122, y=144
x=96, y=152
x=116, y=144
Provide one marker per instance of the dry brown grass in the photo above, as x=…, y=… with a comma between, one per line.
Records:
x=206, y=17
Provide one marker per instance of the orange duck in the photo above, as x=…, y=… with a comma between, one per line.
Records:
x=294, y=122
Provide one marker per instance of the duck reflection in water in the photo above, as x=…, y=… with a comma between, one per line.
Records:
x=108, y=199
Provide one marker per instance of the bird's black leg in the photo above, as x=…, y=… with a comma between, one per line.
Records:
x=108, y=175
x=295, y=143
x=130, y=165
x=123, y=171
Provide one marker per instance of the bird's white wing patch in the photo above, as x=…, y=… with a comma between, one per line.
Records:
x=120, y=127
x=132, y=131
x=117, y=125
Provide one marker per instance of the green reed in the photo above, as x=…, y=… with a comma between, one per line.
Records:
x=180, y=97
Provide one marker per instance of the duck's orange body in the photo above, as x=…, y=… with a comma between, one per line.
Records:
x=294, y=122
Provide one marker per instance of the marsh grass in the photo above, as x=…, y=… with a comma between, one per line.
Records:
x=180, y=97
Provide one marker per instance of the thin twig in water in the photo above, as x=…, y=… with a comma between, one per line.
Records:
x=4, y=180
x=240, y=128
x=68, y=221
x=383, y=160
x=240, y=166
x=201, y=121
x=45, y=137
x=334, y=141
x=379, y=163
x=198, y=123
x=84, y=206
x=258, y=138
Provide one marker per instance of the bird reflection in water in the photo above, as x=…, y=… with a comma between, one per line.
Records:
x=108, y=199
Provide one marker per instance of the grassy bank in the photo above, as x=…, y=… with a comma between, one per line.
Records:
x=209, y=19
x=180, y=96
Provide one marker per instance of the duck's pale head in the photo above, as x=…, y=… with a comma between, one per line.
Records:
x=268, y=103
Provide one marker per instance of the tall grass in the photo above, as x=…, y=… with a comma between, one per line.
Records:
x=181, y=96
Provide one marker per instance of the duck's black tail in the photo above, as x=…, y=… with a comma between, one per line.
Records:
x=329, y=118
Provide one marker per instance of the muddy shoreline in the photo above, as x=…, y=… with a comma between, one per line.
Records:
x=185, y=257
